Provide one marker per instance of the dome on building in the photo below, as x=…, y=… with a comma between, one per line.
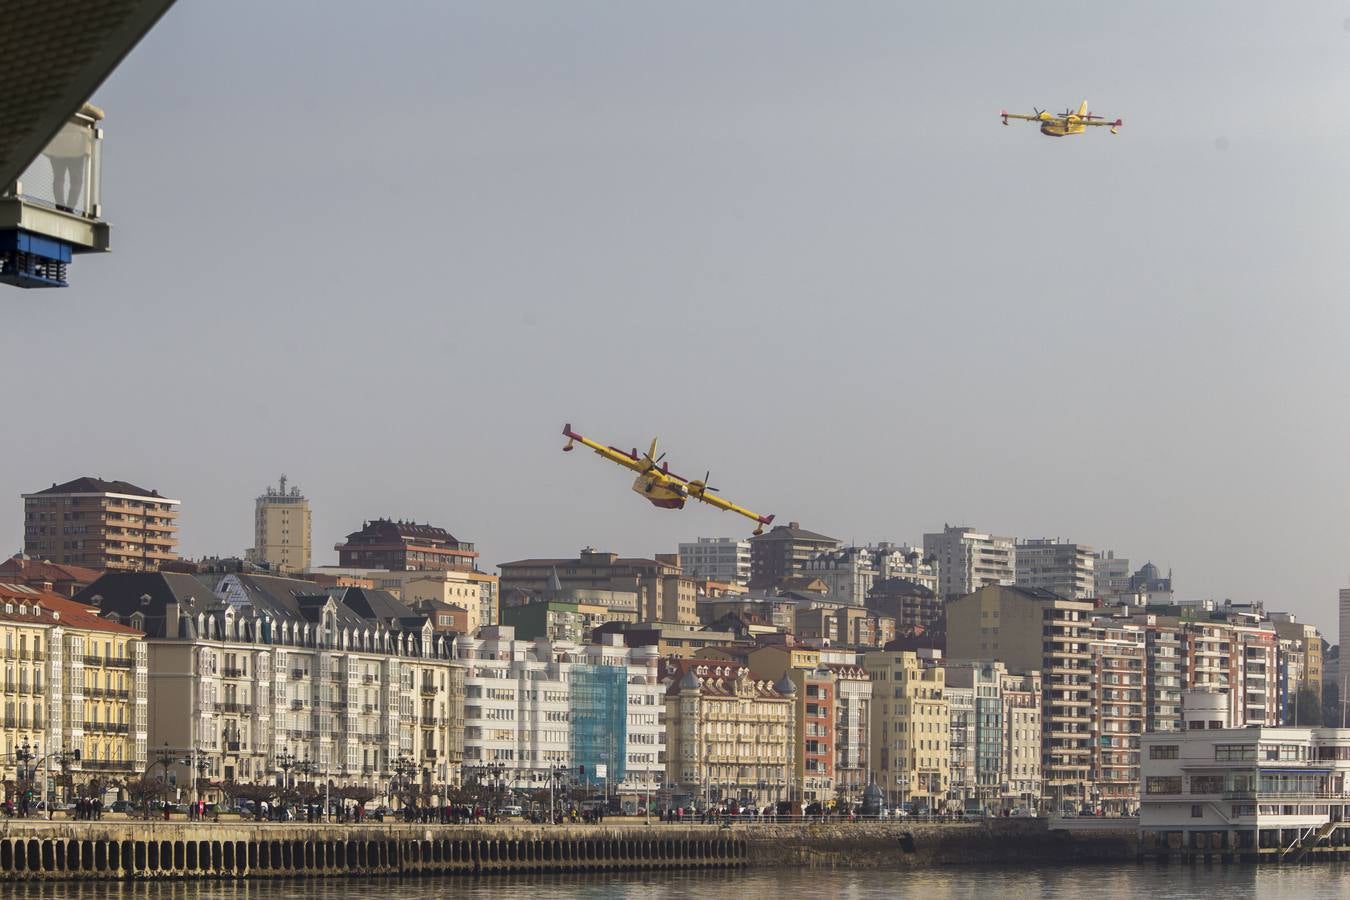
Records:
x=689, y=682
x=1149, y=571
x=785, y=686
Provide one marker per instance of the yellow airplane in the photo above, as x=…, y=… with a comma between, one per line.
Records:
x=1069, y=123
x=658, y=485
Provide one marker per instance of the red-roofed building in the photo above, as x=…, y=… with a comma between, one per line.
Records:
x=74, y=681
x=61, y=578
x=663, y=593
x=405, y=547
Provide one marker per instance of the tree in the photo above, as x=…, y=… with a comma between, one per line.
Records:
x=142, y=790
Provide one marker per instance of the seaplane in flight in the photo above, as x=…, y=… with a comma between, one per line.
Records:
x=1061, y=126
x=660, y=486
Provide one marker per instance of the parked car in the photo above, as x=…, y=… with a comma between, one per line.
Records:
x=1023, y=812
x=122, y=806
x=510, y=811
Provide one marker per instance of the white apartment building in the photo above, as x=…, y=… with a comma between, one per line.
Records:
x=1256, y=792
x=1059, y=566
x=968, y=559
x=719, y=559
x=533, y=706
x=1110, y=574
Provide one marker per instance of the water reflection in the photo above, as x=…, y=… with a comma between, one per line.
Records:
x=1180, y=882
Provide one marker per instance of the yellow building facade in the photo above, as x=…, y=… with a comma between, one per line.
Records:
x=911, y=729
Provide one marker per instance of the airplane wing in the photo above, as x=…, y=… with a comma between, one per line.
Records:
x=1039, y=117
x=726, y=505
x=613, y=454
x=1112, y=125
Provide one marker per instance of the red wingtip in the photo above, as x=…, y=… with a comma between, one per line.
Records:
x=567, y=429
x=767, y=520
x=1119, y=122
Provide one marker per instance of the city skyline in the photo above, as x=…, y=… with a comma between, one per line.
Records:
x=797, y=246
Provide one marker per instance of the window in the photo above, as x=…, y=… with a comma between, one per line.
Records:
x=1163, y=784
x=1197, y=811
x=1162, y=751
x=1233, y=752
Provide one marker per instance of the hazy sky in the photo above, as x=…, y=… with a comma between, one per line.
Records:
x=389, y=249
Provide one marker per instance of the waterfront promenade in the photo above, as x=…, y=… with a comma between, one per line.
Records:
x=136, y=849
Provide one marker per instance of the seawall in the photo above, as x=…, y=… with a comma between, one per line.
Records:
x=121, y=850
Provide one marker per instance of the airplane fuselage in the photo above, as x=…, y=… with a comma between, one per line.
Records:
x=660, y=491
x=1060, y=128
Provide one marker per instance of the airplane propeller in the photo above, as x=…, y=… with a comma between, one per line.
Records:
x=702, y=487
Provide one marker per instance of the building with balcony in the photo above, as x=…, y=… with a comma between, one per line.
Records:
x=1021, y=784
x=1119, y=695
x=729, y=735
x=783, y=552
x=101, y=525
x=1033, y=630
x=405, y=547
x=911, y=729
x=1054, y=565
x=909, y=603
x=657, y=587
x=968, y=559
x=250, y=674
x=473, y=591
x=1259, y=791
x=534, y=706
x=281, y=530
x=725, y=560
x=91, y=673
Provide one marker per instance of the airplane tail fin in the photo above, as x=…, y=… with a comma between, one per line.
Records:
x=1082, y=108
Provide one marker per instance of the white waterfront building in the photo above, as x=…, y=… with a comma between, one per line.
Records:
x=535, y=706
x=1255, y=791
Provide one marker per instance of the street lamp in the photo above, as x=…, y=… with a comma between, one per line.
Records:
x=285, y=762
x=556, y=776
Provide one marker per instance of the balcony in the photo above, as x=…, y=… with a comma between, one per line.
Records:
x=106, y=765
x=230, y=707
x=91, y=660
x=429, y=753
x=297, y=704
x=428, y=720
x=118, y=662
x=428, y=690
x=230, y=672
x=233, y=746
x=297, y=674
x=368, y=679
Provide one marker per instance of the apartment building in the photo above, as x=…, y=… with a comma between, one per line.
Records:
x=1241, y=660
x=729, y=735
x=1119, y=696
x=1165, y=674
x=531, y=706
x=1032, y=630
x=911, y=729
x=101, y=524
x=816, y=694
x=1021, y=784
x=783, y=552
x=473, y=591
x=968, y=559
x=723, y=559
x=1062, y=567
x=247, y=671
x=910, y=604
x=281, y=530
x=91, y=675
x=405, y=546
x=982, y=729
x=852, y=728
x=657, y=587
